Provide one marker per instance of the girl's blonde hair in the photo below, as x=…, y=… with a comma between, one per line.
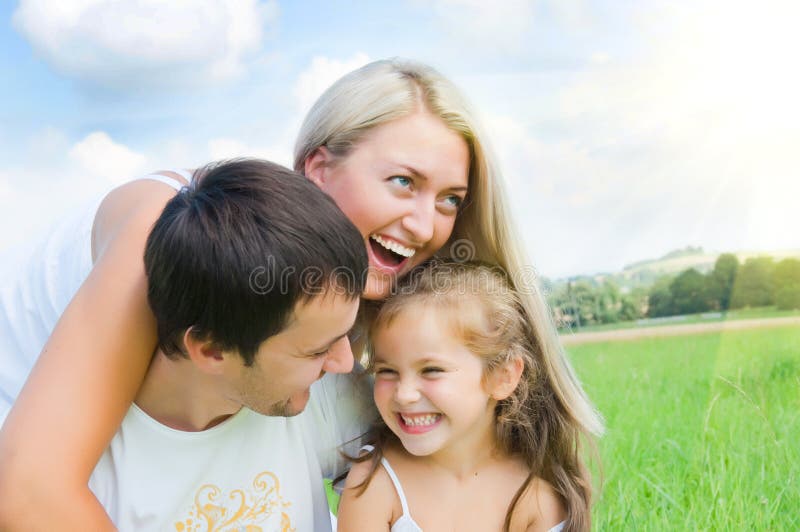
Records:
x=483, y=310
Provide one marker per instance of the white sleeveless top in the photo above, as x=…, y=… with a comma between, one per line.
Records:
x=405, y=523
x=37, y=281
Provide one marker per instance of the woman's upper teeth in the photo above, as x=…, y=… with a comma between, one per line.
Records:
x=394, y=246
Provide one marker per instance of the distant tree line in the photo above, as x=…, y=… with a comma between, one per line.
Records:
x=757, y=282
x=584, y=302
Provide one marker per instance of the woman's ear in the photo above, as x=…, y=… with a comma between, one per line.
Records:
x=317, y=164
x=204, y=354
x=504, y=379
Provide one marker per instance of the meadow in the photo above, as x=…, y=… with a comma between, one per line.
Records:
x=703, y=430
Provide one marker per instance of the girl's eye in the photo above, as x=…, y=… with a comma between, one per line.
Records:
x=401, y=180
x=386, y=372
x=432, y=370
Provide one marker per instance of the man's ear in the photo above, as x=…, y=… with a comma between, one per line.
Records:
x=316, y=166
x=504, y=379
x=205, y=354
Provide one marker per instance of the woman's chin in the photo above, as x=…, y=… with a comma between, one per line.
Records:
x=378, y=286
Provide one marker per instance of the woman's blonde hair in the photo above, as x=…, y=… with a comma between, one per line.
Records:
x=385, y=90
x=480, y=308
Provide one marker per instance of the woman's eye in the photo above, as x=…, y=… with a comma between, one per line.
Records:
x=401, y=180
x=454, y=201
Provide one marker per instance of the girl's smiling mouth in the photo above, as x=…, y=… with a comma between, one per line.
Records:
x=418, y=423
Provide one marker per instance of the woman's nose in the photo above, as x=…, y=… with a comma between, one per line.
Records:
x=420, y=221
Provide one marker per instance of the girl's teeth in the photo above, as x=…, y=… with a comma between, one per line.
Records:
x=394, y=246
x=420, y=421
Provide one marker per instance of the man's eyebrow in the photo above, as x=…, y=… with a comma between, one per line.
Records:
x=328, y=345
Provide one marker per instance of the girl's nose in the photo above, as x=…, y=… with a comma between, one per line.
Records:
x=406, y=392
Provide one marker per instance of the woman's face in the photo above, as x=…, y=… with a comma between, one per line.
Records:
x=401, y=186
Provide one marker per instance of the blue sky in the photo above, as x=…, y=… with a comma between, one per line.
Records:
x=624, y=129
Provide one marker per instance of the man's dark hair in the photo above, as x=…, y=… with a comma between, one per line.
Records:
x=235, y=251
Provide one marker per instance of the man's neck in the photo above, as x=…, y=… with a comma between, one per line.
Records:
x=176, y=394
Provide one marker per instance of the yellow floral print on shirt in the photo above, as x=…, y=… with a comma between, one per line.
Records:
x=238, y=511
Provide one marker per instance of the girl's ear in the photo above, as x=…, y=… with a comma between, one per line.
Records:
x=317, y=164
x=204, y=354
x=504, y=379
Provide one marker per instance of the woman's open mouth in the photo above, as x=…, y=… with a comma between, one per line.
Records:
x=387, y=255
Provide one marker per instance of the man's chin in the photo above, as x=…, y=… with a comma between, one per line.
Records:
x=291, y=407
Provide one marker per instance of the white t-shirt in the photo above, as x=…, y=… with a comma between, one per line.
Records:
x=251, y=472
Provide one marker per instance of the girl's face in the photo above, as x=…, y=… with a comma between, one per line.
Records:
x=401, y=186
x=430, y=389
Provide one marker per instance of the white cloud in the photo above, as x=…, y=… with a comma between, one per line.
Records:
x=227, y=148
x=710, y=108
x=561, y=193
x=599, y=58
x=58, y=175
x=5, y=188
x=154, y=42
x=502, y=25
x=320, y=75
x=101, y=157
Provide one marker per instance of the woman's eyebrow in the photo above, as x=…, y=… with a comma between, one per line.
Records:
x=417, y=173
x=414, y=171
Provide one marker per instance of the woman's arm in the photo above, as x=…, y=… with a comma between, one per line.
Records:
x=85, y=378
x=372, y=510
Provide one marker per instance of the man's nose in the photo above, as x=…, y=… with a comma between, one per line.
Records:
x=340, y=357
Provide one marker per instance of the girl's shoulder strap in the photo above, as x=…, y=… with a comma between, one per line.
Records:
x=395, y=481
x=397, y=486
x=404, y=523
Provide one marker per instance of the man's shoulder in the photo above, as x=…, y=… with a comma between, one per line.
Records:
x=354, y=388
x=341, y=410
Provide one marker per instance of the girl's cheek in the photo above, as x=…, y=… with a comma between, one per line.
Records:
x=382, y=391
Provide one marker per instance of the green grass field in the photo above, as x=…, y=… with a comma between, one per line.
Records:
x=703, y=430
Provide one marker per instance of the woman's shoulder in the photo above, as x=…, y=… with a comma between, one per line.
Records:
x=136, y=203
x=153, y=185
